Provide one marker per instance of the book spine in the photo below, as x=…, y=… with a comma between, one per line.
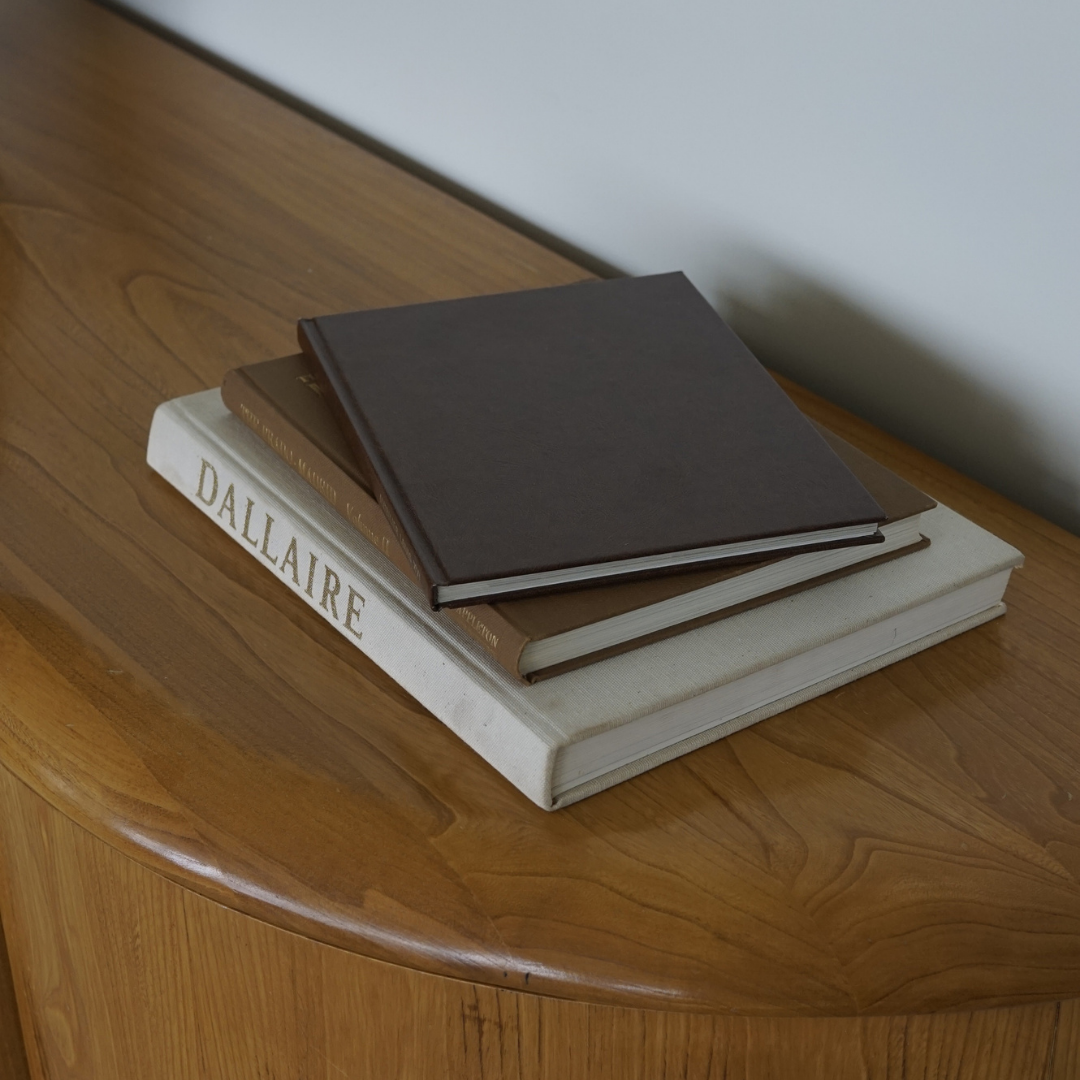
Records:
x=245, y=400
x=412, y=540
x=273, y=524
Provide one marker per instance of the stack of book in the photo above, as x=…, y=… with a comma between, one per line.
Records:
x=582, y=525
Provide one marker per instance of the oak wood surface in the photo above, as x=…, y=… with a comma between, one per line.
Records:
x=1065, y=1056
x=907, y=844
x=12, y=1052
x=135, y=977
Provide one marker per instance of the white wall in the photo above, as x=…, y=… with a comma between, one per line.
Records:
x=881, y=196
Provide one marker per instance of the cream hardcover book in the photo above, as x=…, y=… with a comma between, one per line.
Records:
x=561, y=740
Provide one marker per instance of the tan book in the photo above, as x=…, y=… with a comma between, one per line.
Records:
x=540, y=636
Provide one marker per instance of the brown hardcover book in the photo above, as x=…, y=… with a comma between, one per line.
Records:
x=540, y=636
x=549, y=439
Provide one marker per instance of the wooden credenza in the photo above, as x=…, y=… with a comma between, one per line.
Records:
x=232, y=847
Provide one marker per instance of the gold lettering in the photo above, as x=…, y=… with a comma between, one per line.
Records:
x=247, y=521
x=328, y=593
x=272, y=559
x=311, y=573
x=395, y=528
x=291, y=559
x=202, y=479
x=466, y=615
x=353, y=612
x=228, y=502
x=319, y=483
x=378, y=539
x=267, y=434
x=310, y=383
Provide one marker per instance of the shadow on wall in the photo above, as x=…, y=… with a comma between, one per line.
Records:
x=831, y=345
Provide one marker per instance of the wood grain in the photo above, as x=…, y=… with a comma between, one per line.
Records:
x=135, y=977
x=1066, y=1049
x=12, y=1053
x=908, y=844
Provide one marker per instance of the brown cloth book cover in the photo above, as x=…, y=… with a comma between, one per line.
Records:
x=281, y=401
x=577, y=428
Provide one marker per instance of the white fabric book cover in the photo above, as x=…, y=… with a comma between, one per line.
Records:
x=563, y=739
